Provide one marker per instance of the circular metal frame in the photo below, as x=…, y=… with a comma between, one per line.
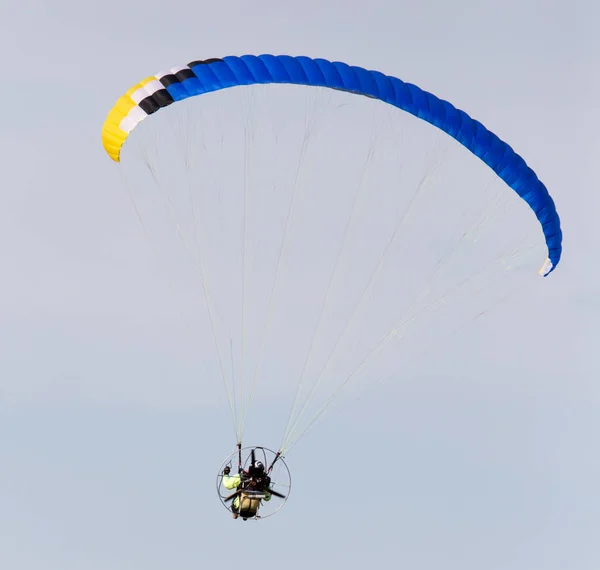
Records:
x=281, y=479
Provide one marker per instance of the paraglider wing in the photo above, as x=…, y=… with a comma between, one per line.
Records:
x=199, y=77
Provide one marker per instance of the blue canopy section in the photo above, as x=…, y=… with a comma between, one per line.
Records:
x=214, y=74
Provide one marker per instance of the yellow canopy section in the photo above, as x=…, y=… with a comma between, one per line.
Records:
x=122, y=118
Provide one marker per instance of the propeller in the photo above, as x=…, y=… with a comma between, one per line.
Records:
x=233, y=495
x=276, y=494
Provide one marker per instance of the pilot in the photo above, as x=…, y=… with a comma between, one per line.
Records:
x=254, y=479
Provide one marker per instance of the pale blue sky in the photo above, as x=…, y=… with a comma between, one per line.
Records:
x=491, y=461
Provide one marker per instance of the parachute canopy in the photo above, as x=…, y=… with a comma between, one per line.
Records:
x=204, y=76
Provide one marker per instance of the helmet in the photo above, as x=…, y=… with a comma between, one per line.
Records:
x=258, y=466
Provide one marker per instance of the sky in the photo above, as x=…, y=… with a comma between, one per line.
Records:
x=109, y=441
